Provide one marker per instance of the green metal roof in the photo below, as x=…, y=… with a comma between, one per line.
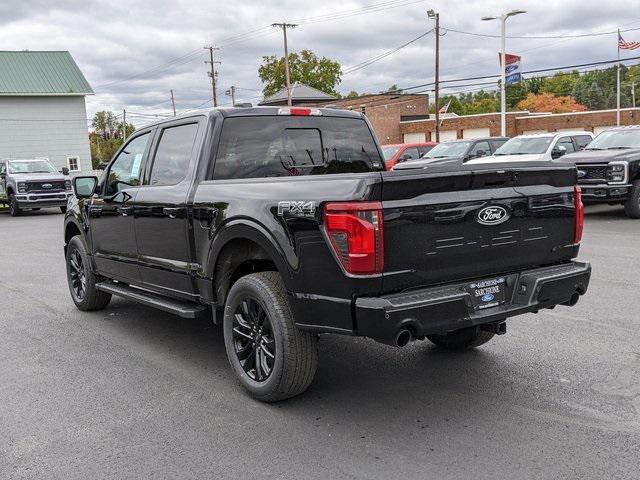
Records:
x=41, y=73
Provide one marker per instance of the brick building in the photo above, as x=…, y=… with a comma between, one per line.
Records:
x=386, y=112
x=488, y=124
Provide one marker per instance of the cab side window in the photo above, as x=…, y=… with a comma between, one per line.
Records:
x=567, y=143
x=125, y=171
x=3, y=168
x=480, y=149
x=412, y=153
x=173, y=155
x=582, y=141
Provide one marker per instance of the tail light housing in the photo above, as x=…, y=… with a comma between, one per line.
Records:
x=579, y=221
x=355, y=232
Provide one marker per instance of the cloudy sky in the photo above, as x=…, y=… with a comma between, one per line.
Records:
x=133, y=52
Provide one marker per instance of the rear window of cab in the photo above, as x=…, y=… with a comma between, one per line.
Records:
x=267, y=146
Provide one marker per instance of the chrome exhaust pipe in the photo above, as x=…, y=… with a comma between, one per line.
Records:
x=403, y=337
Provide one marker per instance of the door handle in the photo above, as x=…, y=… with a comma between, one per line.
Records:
x=125, y=211
x=171, y=212
x=95, y=211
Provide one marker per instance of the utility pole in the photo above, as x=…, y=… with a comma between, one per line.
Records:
x=173, y=103
x=618, y=84
x=284, y=27
x=232, y=93
x=436, y=16
x=124, y=125
x=633, y=94
x=212, y=74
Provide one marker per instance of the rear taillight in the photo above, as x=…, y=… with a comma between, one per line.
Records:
x=355, y=233
x=579, y=206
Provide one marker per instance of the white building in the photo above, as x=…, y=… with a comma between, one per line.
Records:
x=42, y=109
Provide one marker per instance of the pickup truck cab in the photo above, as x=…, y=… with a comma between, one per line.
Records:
x=32, y=184
x=543, y=147
x=282, y=224
x=609, y=169
x=455, y=152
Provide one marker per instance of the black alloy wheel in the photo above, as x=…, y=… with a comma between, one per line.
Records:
x=253, y=340
x=77, y=275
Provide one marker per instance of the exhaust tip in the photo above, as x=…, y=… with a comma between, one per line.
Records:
x=403, y=337
x=573, y=300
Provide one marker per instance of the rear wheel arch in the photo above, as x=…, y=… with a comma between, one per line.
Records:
x=241, y=254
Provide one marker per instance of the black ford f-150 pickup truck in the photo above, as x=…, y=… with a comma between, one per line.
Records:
x=609, y=169
x=283, y=223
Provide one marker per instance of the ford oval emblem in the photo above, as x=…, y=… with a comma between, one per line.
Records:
x=487, y=297
x=493, y=215
x=46, y=185
x=582, y=174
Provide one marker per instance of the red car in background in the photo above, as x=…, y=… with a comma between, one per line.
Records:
x=401, y=152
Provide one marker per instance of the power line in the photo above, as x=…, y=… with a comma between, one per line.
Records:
x=482, y=77
x=377, y=58
x=541, y=37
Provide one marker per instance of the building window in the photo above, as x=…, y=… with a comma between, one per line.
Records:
x=73, y=163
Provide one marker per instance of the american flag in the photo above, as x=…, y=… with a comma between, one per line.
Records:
x=624, y=45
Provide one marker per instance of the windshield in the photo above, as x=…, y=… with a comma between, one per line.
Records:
x=448, y=149
x=31, y=166
x=389, y=152
x=524, y=146
x=616, y=139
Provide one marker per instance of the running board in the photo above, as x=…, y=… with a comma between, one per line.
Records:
x=177, y=307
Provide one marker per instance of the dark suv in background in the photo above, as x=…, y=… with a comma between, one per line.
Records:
x=609, y=169
x=456, y=152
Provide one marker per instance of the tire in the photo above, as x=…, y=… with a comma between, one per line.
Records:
x=462, y=339
x=79, y=272
x=294, y=353
x=14, y=208
x=632, y=205
x=63, y=209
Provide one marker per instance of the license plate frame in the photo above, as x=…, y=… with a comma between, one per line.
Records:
x=487, y=293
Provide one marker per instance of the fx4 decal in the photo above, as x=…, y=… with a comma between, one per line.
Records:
x=299, y=208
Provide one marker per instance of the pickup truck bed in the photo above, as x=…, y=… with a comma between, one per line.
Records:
x=284, y=224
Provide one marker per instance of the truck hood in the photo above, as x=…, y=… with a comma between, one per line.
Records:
x=532, y=157
x=428, y=162
x=38, y=177
x=601, y=156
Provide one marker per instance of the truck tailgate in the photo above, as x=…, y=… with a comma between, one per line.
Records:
x=476, y=222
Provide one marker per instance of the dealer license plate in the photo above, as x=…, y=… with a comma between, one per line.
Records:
x=487, y=293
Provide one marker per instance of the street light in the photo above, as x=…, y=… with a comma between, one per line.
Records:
x=503, y=68
x=433, y=15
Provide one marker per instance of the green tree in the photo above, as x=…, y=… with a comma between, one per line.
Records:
x=304, y=67
x=393, y=89
x=106, y=138
x=352, y=94
x=104, y=123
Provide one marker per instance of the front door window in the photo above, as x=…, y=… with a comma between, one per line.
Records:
x=125, y=171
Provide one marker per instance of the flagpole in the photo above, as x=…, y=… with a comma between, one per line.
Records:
x=618, y=85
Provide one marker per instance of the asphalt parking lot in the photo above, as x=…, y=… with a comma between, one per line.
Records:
x=131, y=392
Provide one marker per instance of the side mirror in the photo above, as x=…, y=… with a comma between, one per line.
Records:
x=64, y=171
x=558, y=151
x=3, y=176
x=85, y=187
